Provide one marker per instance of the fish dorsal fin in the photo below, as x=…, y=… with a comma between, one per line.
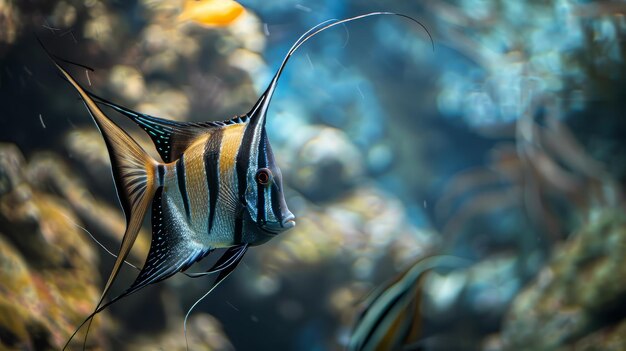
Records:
x=170, y=138
x=259, y=111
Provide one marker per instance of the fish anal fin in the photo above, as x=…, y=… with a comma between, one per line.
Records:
x=170, y=251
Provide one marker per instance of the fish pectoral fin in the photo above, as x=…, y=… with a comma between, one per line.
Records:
x=228, y=262
x=231, y=257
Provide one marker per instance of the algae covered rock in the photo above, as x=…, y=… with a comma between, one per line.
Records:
x=611, y=338
x=579, y=292
x=48, y=268
x=38, y=309
x=17, y=286
x=49, y=265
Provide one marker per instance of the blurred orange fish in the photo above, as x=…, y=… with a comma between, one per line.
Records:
x=211, y=12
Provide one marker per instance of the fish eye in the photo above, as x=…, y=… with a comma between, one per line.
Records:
x=263, y=176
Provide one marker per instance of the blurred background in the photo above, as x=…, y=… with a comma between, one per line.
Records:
x=504, y=146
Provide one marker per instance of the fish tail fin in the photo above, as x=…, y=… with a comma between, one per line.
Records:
x=135, y=174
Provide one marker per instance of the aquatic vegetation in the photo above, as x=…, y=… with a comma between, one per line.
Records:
x=544, y=180
x=48, y=262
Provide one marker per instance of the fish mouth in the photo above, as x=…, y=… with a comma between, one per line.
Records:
x=289, y=222
x=276, y=228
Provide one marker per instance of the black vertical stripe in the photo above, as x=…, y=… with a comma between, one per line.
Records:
x=182, y=183
x=211, y=165
x=238, y=234
x=260, y=205
x=161, y=175
x=262, y=157
x=243, y=161
x=158, y=236
x=384, y=315
x=262, y=163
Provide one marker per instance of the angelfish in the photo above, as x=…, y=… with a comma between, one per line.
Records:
x=391, y=318
x=217, y=187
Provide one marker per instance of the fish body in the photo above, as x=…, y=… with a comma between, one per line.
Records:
x=211, y=12
x=200, y=193
x=223, y=190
